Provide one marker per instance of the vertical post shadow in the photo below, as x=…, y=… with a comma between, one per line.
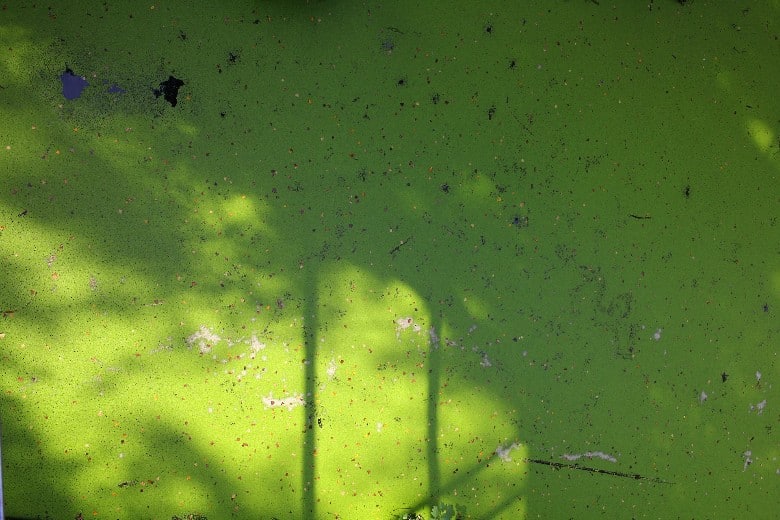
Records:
x=309, y=448
x=432, y=411
x=2, y=501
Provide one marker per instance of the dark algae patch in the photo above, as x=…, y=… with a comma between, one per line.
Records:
x=169, y=90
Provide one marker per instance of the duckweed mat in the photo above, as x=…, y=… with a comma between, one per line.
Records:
x=322, y=260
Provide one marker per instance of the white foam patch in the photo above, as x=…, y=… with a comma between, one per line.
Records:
x=289, y=402
x=503, y=453
x=204, y=338
x=589, y=455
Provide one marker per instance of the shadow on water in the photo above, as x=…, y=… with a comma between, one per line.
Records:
x=432, y=412
x=30, y=462
x=464, y=242
x=311, y=329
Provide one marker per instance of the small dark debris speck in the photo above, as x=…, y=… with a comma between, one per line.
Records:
x=387, y=45
x=520, y=221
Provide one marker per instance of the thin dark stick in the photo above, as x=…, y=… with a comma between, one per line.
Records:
x=563, y=465
x=398, y=247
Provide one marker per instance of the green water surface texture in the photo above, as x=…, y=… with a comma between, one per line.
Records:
x=491, y=260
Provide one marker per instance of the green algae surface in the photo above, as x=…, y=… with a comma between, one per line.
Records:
x=370, y=260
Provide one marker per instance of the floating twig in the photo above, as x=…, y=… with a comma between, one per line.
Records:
x=398, y=247
x=563, y=465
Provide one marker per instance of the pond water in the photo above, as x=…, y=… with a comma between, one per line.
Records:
x=332, y=260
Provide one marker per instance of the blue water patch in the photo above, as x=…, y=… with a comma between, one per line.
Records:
x=114, y=88
x=72, y=85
